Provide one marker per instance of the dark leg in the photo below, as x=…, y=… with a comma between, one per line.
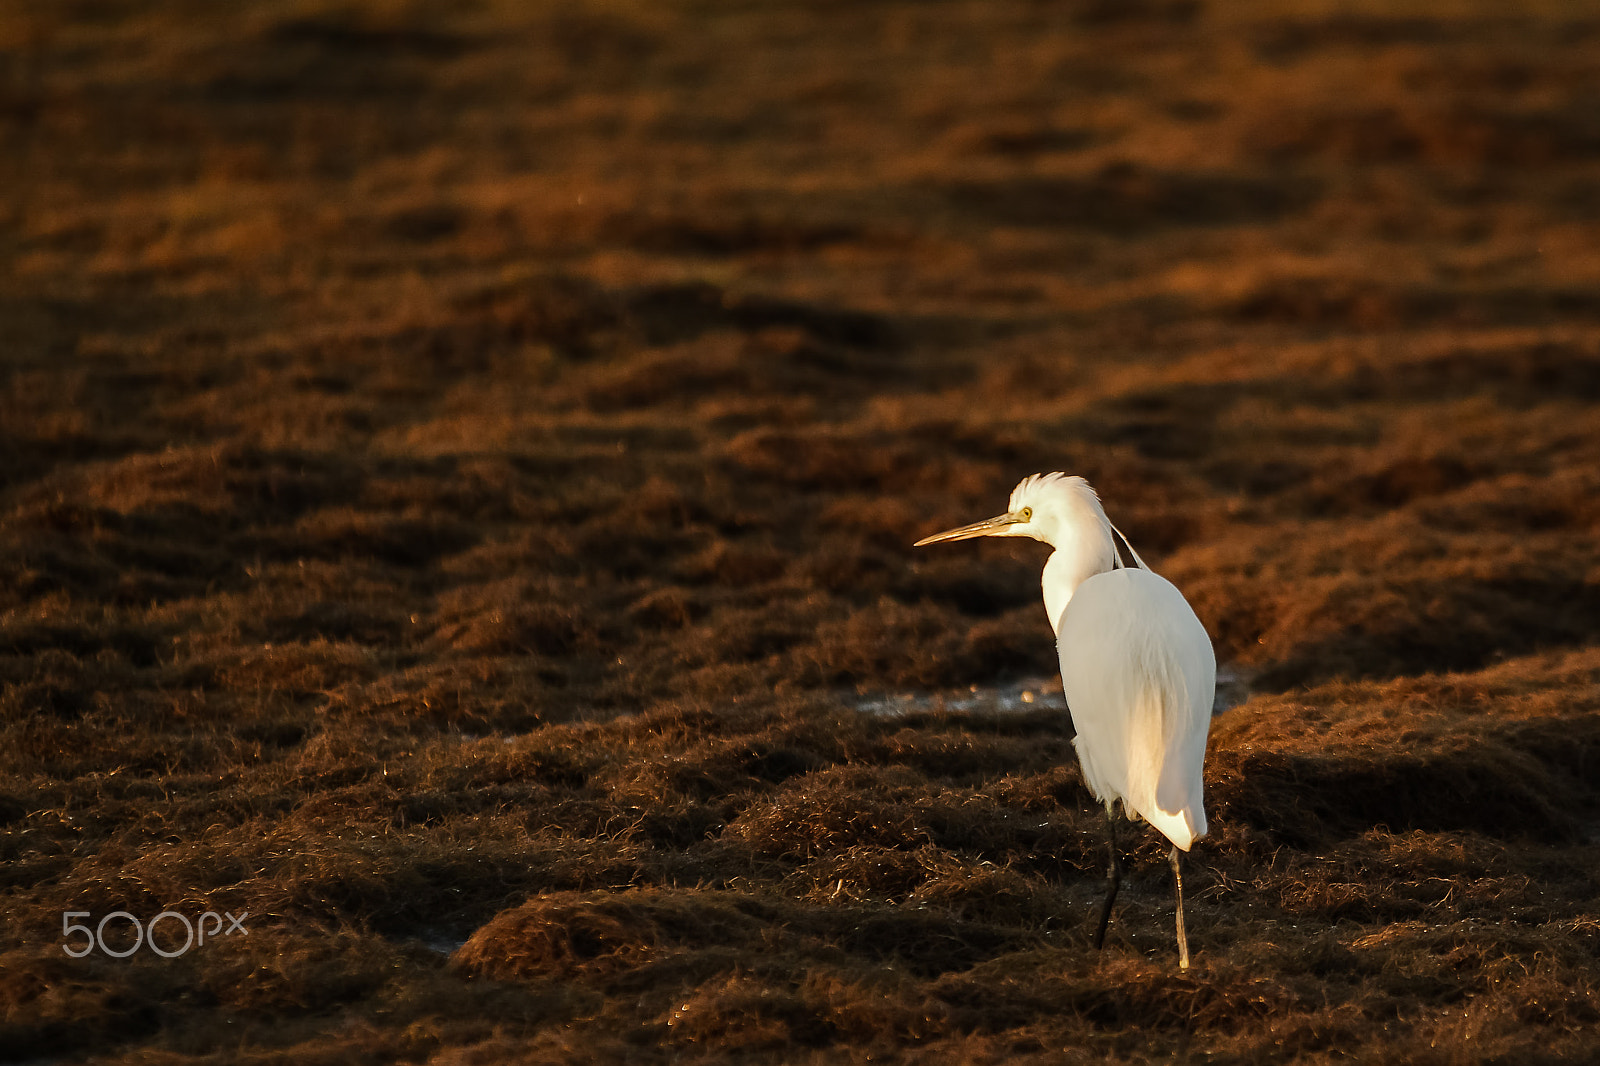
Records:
x=1113, y=881
x=1183, y=937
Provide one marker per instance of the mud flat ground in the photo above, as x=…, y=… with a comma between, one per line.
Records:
x=458, y=467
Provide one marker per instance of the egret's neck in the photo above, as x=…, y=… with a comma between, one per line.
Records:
x=1073, y=562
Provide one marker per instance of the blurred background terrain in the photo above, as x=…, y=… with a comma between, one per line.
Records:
x=458, y=464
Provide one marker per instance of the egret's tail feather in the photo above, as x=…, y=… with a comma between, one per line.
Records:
x=1179, y=827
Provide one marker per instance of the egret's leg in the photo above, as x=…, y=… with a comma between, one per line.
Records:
x=1183, y=937
x=1113, y=881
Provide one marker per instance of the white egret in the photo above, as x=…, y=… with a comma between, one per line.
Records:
x=1136, y=665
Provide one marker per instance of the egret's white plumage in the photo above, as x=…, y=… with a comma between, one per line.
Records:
x=1136, y=664
x=1139, y=677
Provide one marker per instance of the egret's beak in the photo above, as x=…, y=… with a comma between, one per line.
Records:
x=987, y=528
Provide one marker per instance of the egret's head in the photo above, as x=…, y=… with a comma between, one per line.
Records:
x=1043, y=506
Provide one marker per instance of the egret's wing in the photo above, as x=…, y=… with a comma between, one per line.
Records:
x=1191, y=686
x=1139, y=673
x=1100, y=680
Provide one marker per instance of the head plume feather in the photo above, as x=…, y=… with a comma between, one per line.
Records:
x=1034, y=486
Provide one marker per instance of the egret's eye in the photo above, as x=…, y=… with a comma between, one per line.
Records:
x=1027, y=514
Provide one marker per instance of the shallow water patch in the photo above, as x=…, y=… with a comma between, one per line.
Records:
x=1026, y=696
